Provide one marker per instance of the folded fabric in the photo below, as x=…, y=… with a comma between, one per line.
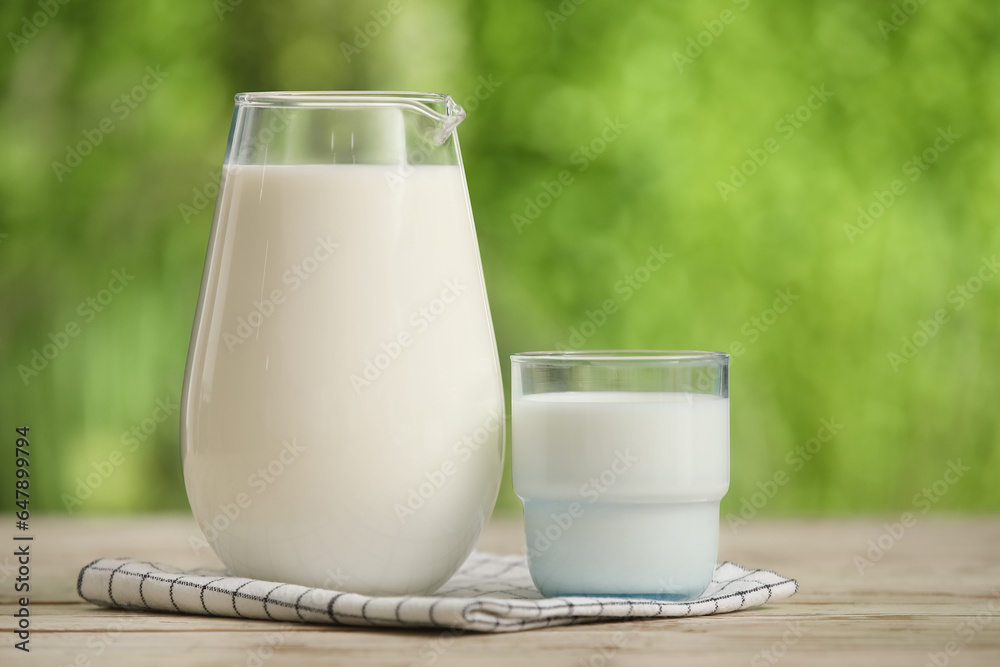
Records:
x=490, y=593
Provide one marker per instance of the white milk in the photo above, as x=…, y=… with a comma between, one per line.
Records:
x=343, y=414
x=621, y=490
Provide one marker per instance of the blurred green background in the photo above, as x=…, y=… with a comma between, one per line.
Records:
x=742, y=138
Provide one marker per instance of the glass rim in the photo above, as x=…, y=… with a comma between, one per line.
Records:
x=438, y=107
x=569, y=356
x=327, y=98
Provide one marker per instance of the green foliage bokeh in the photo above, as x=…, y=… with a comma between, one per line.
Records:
x=694, y=93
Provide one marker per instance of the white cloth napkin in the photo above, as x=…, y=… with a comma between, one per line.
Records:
x=490, y=593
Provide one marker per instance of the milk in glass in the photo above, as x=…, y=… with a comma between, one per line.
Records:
x=621, y=489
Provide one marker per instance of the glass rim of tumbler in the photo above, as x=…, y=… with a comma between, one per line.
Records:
x=667, y=357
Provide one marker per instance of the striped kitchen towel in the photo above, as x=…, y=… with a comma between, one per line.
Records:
x=490, y=593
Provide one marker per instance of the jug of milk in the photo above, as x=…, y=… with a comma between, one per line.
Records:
x=342, y=418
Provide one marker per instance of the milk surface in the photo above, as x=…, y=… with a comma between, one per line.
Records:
x=343, y=414
x=621, y=490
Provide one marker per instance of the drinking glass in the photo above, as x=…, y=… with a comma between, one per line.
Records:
x=621, y=459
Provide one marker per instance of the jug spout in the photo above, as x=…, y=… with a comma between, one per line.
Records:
x=448, y=120
x=440, y=113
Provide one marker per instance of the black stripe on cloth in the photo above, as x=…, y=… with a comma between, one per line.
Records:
x=329, y=608
x=111, y=580
x=201, y=596
x=79, y=579
x=298, y=607
x=268, y=597
x=236, y=594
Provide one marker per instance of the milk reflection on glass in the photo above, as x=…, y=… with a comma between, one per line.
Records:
x=343, y=411
x=621, y=459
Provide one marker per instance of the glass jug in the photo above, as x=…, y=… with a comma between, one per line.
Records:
x=342, y=419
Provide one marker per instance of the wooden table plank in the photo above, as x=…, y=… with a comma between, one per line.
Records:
x=938, y=583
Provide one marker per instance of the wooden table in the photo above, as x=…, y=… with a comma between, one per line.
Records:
x=934, y=589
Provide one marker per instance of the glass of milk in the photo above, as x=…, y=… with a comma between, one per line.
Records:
x=621, y=459
x=343, y=417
